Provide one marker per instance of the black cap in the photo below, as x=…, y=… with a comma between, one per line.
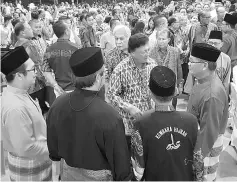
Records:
x=215, y=34
x=86, y=61
x=232, y=20
x=13, y=60
x=205, y=52
x=162, y=81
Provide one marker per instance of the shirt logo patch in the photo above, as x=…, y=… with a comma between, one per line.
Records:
x=172, y=145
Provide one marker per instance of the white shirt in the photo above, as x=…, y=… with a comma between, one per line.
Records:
x=152, y=39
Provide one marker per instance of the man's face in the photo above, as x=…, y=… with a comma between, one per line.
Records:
x=28, y=79
x=121, y=40
x=220, y=12
x=15, y=15
x=225, y=27
x=217, y=43
x=37, y=28
x=141, y=54
x=198, y=8
x=194, y=19
x=162, y=39
x=90, y=21
x=196, y=66
x=205, y=19
x=28, y=32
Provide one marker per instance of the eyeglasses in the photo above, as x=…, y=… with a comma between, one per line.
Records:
x=214, y=43
x=33, y=69
x=196, y=62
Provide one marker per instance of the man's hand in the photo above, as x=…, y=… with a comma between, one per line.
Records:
x=134, y=111
x=58, y=90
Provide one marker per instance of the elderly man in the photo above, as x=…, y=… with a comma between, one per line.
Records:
x=23, y=126
x=128, y=87
x=120, y=52
x=88, y=135
x=168, y=56
x=223, y=63
x=230, y=39
x=209, y=103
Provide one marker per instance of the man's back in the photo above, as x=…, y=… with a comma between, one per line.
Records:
x=168, y=140
x=90, y=135
x=57, y=58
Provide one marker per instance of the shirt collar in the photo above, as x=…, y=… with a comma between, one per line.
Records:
x=62, y=40
x=132, y=63
x=16, y=90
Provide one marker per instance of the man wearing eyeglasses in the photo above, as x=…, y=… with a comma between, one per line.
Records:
x=23, y=125
x=209, y=103
x=223, y=63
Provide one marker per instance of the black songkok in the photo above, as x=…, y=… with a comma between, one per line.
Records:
x=218, y=1
x=162, y=81
x=13, y=60
x=215, y=34
x=232, y=20
x=86, y=61
x=205, y=52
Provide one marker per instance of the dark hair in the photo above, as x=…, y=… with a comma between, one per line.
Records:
x=171, y=20
x=139, y=28
x=62, y=18
x=59, y=28
x=133, y=22
x=88, y=16
x=157, y=19
x=15, y=21
x=148, y=26
x=7, y=18
x=136, y=41
x=10, y=77
x=19, y=27
x=82, y=17
x=107, y=19
x=112, y=22
x=35, y=14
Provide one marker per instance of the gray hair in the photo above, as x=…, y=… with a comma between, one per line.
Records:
x=125, y=29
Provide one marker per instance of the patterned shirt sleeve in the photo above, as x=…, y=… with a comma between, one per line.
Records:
x=115, y=89
x=137, y=154
x=45, y=63
x=109, y=64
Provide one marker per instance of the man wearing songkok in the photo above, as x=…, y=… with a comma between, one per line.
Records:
x=83, y=130
x=23, y=126
x=230, y=39
x=208, y=102
x=164, y=140
x=128, y=88
x=228, y=166
x=223, y=63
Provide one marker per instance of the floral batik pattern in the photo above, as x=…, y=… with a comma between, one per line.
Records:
x=113, y=58
x=129, y=84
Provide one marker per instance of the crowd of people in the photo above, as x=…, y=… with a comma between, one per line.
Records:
x=89, y=92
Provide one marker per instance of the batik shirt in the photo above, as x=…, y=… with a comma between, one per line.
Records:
x=129, y=84
x=112, y=60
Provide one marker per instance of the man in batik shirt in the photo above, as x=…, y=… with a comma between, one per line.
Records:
x=128, y=87
x=120, y=52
